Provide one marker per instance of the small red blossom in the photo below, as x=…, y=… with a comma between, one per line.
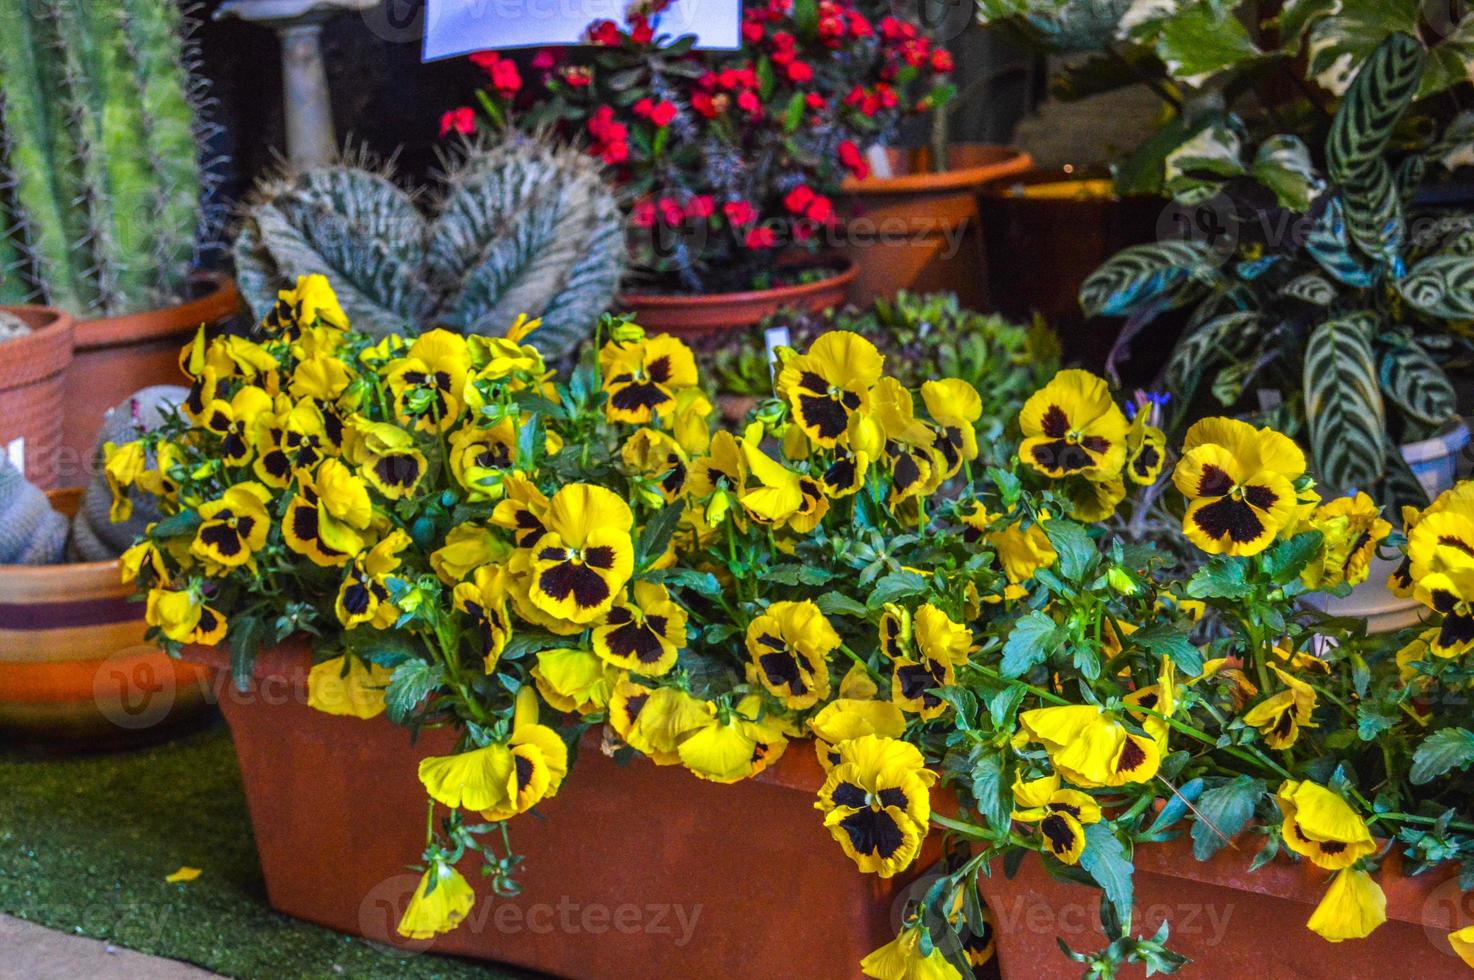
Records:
x=941, y=61
x=820, y=210
x=752, y=31
x=800, y=72
x=640, y=30
x=749, y=103
x=853, y=160
x=604, y=33
x=797, y=200
x=671, y=211
x=459, y=120
x=704, y=104
x=642, y=215
x=544, y=60
x=739, y=212
x=700, y=206
x=814, y=100
x=761, y=237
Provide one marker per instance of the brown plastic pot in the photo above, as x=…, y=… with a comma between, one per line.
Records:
x=631, y=871
x=1040, y=249
x=1228, y=920
x=32, y=389
x=75, y=669
x=920, y=230
x=709, y=314
x=118, y=355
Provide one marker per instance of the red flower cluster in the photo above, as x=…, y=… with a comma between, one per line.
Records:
x=728, y=157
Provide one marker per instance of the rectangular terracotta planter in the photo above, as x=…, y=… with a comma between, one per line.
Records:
x=1229, y=921
x=631, y=871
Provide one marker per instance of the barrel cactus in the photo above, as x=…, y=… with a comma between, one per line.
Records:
x=94, y=535
x=520, y=226
x=31, y=533
x=98, y=155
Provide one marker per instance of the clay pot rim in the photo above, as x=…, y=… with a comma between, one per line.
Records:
x=1013, y=160
x=1000, y=187
x=782, y=293
x=220, y=300
x=45, y=351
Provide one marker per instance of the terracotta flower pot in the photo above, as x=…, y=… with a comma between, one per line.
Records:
x=118, y=355
x=1044, y=232
x=709, y=314
x=32, y=391
x=920, y=230
x=631, y=871
x=1230, y=921
x=75, y=668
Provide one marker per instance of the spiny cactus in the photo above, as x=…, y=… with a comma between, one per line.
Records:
x=31, y=533
x=99, y=178
x=94, y=536
x=522, y=226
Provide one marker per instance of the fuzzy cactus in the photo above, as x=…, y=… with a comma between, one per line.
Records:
x=522, y=226
x=98, y=159
x=94, y=536
x=31, y=533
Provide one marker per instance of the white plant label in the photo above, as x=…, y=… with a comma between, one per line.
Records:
x=459, y=27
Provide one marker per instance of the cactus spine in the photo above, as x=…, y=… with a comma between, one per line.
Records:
x=522, y=226
x=99, y=179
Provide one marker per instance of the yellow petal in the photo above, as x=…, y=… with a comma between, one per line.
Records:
x=185, y=873
x=1353, y=906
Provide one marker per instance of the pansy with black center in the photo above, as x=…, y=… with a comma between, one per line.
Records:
x=1073, y=427
x=309, y=303
x=429, y=384
x=641, y=378
x=363, y=595
x=1239, y=482
x=1061, y=814
x=386, y=457
x=234, y=527
x=1320, y=825
x=1351, y=528
x=584, y=557
x=1146, y=450
x=643, y=633
x=1090, y=748
x=916, y=466
x=1451, y=595
x=915, y=683
x=481, y=456
x=718, y=476
x=828, y=383
x=183, y=616
x=289, y=440
x=232, y=420
x=1282, y=715
x=658, y=458
x=955, y=408
x=522, y=510
x=876, y=802
x=327, y=516
x=781, y=496
x=484, y=601
x=845, y=474
x=788, y=650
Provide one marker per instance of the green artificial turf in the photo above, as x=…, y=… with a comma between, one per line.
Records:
x=86, y=841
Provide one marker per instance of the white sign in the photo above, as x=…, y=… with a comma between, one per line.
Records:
x=459, y=27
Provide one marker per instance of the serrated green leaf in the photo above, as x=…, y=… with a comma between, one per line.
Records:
x=1445, y=750
x=1033, y=637
x=410, y=683
x=1107, y=860
x=1222, y=812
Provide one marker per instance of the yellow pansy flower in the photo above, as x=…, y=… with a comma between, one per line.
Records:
x=1239, y=482
x=1320, y=825
x=584, y=557
x=347, y=686
x=1089, y=748
x=1352, y=908
x=902, y=959
x=828, y=383
x=641, y=378
x=876, y=802
x=441, y=900
x=788, y=648
x=1073, y=427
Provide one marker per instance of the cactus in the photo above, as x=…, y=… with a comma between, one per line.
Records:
x=99, y=177
x=94, y=536
x=31, y=533
x=522, y=226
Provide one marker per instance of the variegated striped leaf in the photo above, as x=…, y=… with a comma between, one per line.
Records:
x=1415, y=383
x=1329, y=245
x=1343, y=403
x=1221, y=338
x=1442, y=286
x=1310, y=288
x=1141, y=275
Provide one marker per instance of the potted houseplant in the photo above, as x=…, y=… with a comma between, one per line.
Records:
x=1323, y=305
x=75, y=667
x=102, y=167
x=524, y=570
x=729, y=162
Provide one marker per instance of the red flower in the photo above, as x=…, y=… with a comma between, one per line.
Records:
x=544, y=60
x=749, y=103
x=642, y=215
x=739, y=212
x=663, y=113
x=640, y=30
x=853, y=160
x=797, y=200
x=821, y=210
x=761, y=238
x=814, y=100
x=612, y=153
x=700, y=206
x=941, y=60
x=752, y=31
x=800, y=72
x=577, y=76
x=860, y=25
x=604, y=32
x=703, y=104
x=896, y=30
x=670, y=211
x=460, y=120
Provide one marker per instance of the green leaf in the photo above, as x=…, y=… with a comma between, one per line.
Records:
x=1033, y=637
x=1199, y=40
x=1197, y=169
x=1343, y=403
x=1441, y=286
x=410, y=683
x=1287, y=559
x=1283, y=165
x=182, y=523
x=1223, y=577
x=1345, y=39
x=1444, y=750
x=1415, y=383
x=1222, y=812
x=246, y=636
x=839, y=604
x=1077, y=553
x=895, y=585
x=1221, y=338
x=1310, y=288
x=992, y=792
x=657, y=534
x=1166, y=640
x=1142, y=275
x=1106, y=860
